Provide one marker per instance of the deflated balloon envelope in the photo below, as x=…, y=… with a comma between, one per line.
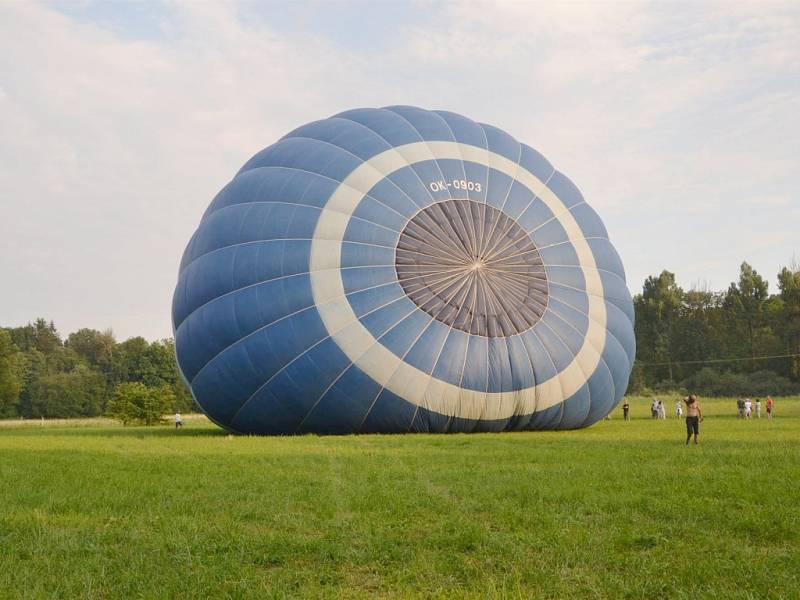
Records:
x=399, y=269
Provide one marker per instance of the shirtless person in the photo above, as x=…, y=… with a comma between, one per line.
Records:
x=693, y=417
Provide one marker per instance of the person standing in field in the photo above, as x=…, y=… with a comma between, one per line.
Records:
x=678, y=409
x=662, y=411
x=748, y=408
x=654, y=409
x=758, y=408
x=625, y=410
x=740, y=407
x=769, y=407
x=178, y=421
x=693, y=417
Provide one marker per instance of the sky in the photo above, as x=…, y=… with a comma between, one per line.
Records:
x=119, y=122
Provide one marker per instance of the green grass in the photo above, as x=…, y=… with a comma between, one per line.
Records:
x=620, y=510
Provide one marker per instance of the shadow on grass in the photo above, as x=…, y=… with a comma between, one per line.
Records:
x=121, y=432
x=163, y=432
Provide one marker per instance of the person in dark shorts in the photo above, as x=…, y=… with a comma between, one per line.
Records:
x=693, y=417
x=625, y=410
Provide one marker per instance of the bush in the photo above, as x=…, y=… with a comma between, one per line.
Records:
x=763, y=383
x=669, y=387
x=710, y=382
x=137, y=403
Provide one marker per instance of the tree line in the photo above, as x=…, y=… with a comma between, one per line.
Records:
x=87, y=374
x=712, y=343
x=718, y=343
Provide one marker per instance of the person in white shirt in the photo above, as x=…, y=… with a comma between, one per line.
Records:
x=678, y=409
x=748, y=408
x=178, y=421
x=758, y=408
x=662, y=410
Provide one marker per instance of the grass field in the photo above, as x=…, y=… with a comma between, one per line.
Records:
x=620, y=510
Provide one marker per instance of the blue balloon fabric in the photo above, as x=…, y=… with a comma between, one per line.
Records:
x=396, y=270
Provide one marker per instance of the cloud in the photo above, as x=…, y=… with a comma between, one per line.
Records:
x=113, y=147
x=769, y=201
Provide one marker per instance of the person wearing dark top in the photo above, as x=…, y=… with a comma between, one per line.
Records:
x=625, y=408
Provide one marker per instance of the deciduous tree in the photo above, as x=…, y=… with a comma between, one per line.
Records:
x=789, y=284
x=745, y=301
x=9, y=383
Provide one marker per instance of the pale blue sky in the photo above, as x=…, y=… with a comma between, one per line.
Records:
x=120, y=121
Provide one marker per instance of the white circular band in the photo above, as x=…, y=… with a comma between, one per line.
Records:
x=387, y=369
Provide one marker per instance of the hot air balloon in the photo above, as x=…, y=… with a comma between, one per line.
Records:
x=402, y=270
